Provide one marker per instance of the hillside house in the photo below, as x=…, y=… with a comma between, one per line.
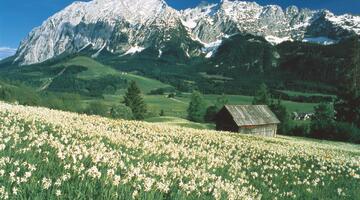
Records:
x=248, y=119
x=302, y=116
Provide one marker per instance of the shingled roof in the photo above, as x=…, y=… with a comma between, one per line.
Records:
x=248, y=115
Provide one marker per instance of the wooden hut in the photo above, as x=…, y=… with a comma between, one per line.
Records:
x=248, y=119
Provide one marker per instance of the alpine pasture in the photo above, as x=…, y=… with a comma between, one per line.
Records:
x=48, y=154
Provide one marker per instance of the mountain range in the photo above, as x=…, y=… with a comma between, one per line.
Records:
x=128, y=27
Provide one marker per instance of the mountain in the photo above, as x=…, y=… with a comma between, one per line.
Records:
x=128, y=27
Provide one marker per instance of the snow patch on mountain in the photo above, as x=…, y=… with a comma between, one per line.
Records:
x=277, y=40
x=95, y=55
x=189, y=24
x=134, y=50
x=320, y=40
x=211, y=48
x=348, y=22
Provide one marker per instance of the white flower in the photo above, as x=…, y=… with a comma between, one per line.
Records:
x=58, y=193
x=94, y=172
x=27, y=174
x=15, y=191
x=116, y=181
x=46, y=183
x=135, y=194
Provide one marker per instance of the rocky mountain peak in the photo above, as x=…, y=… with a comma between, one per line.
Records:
x=119, y=26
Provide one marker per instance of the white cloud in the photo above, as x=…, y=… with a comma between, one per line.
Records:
x=6, y=52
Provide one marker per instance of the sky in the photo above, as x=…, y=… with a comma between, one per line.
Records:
x=19, y=17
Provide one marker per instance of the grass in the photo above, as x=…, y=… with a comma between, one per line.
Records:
x=97, y=70
x=305, y=94
x=175, y=121
x=94, y=68
x=60, y=155
x=176, y=107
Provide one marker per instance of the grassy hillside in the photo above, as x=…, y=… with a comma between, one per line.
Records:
x=47, y=154
x=177, y=106
x=94, y=81
x=40, y=75
x=175, y=121
x=96, y=69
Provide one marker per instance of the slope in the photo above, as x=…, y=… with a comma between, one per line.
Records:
x=74, y=156
x=77, y=74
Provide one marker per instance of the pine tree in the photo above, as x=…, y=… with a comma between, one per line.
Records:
x=348, y=103
x=221, y=101
x=262, y=96
x=323, y=121
x=135, y=101
x=283, y=115
x=197, y=106
x=212, y=110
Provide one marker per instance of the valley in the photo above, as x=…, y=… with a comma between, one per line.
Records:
x=38, y=75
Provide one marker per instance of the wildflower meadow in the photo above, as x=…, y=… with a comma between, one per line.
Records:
x=48, y=154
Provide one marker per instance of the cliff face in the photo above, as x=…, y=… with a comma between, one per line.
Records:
x=129, y=26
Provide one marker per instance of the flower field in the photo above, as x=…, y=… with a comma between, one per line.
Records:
x=47, y=154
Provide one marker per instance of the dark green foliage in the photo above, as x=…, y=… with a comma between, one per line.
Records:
x=301, y=130
x=348, y=103
x=324, y=126
x=210, y=114
x=348, y=108
x=343, y=131
x=262, y=96
x=135, y=101
x=283, y=115
x=337, y=131
x=161, y=91
x=324, y=112
x=323, y=121
x=245, y=53
x=162, y=113
x=13, y=92
x=68, y=82
x=97, y=108
x=171, y=95
x=121, y=112
x=62, y=101
x=221, y=101
x=302, y=98
x=197, y=107
x=211, y=111
x=20, y=94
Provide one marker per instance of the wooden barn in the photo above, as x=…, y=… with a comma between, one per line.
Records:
x=248, y=119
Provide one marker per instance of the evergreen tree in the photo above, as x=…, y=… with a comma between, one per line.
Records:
x=323, y=121
x=262, y=96
x=210, y=114
x=212, y=110
x=135, y=101
x=197, y=106
x=221, y=101
x=283, y=115
x=348, y=103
